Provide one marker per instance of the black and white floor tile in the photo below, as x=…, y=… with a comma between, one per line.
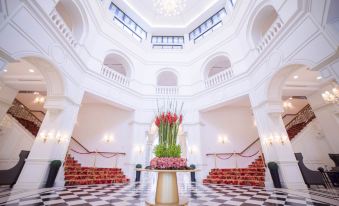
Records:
x=135, y=194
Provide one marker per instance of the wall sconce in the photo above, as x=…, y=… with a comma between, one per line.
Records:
x=268, y=140
x=108, y=138
x=278, y=139
x=282, y=139
x=222, y=139
x=139, y=149
x=332, y=96
x=287, y=105
x=50, y=135
x=192, y=149
x=44, y=137
x=39, y=100
x=61, y=138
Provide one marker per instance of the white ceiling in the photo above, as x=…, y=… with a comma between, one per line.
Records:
x=304, y=85
x=19, y=77
x=195, y=13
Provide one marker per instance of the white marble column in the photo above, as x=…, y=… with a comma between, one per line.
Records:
x=148, y=149
x=327, y=115
x=276, y=145
x=7, y=95
x=56, y=128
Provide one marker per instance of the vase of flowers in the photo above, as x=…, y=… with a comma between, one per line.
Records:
x=168, y=152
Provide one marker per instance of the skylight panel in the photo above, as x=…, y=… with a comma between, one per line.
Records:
x=211, y=24
x=126, y=23
x=167, y=42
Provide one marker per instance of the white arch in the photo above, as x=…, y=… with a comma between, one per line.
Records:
x=125, y=60
x=171, y=80
x=252, y=20
x=55, y=82
x=204, y=69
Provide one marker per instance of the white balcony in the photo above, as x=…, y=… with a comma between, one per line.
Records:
x=270, y=34
x=167, y=90
x=114, y=76
x=219, y=78
x=63, y=28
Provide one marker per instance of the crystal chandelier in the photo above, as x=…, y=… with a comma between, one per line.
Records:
x=331, y=96
x=169, y=7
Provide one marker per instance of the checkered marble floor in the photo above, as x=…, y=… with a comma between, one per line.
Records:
x=135, y=194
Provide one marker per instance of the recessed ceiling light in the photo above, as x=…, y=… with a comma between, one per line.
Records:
x=319, y=77
x=31, y=70
x=290, y=98
x=295, y=77
x=5, y=70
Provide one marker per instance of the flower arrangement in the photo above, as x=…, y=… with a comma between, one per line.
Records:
x=167, y=152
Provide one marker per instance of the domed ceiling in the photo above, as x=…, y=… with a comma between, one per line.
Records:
x=194, y=13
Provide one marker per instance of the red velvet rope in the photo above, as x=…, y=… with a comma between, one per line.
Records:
x=100, y=153
x=218, y=156
x=248, y=155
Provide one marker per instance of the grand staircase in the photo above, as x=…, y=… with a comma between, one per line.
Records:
x=253, y=175
x=75, y=174
x=300, y=121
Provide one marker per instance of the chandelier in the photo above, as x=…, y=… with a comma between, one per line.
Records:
x=331, y=96
x=169, y=7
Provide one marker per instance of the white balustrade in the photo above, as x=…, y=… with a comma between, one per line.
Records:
x=115, y=76
x=270, y=34
x=167, y=90
x=219, y=78
x=63, y=28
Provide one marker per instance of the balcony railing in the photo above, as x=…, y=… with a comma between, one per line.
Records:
x=219, y=78
x=167, y=90
x=270, y=34
x=63, y=28
x=115, y=76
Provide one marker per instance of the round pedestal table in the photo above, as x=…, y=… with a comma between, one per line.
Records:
x=167, y=192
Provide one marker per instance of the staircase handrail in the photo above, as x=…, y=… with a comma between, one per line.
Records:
x=305, y=115
x=236, y=153
x=19, y=110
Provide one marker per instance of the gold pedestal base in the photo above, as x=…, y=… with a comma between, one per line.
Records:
x=167, y=191
x=182, y=202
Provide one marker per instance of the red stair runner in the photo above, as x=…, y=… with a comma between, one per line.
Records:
x=75, y=174
x=254, y=175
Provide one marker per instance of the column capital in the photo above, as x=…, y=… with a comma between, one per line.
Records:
x=271, y=107
x=59, y=103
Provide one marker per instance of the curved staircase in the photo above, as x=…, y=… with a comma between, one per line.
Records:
x=253, y=175
x=75, y=174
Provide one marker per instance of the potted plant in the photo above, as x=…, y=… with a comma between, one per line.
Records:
x=273, y=167
x=138, y=173
x=53, y=172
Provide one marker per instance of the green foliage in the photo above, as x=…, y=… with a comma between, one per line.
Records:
x=162, y=150
x=272, y=165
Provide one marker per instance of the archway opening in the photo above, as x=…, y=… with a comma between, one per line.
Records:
x=299, y=89
x=262, y=23
x=118, y=64
x=167, y=79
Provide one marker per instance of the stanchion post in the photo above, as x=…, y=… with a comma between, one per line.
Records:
x=95, y=158
x=215, y=160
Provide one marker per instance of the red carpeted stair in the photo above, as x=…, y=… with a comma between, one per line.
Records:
x=254, y=175
x=75, y=174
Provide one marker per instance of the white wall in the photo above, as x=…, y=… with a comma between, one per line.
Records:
x=237, y=124
x=13, y=139
x=311, y=142
x=96, y=120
